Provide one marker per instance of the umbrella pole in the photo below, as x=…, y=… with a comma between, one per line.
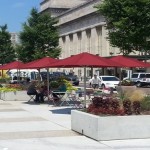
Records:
x=84, y=87
x=18, y=76
x=39, y=77
x=48, y=82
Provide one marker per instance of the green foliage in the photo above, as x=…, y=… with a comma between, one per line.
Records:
x=39, y=37
x=145, y=103
x=4, y=80
x=7, y=53
x=69, y=86
x=6, y=89
x=127, y=82
x=128, y=24
x=54, y=84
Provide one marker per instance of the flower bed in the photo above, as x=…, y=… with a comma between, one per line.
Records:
x=13, y=92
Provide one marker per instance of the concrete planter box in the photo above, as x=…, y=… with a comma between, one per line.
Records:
x=110, y=127
x=14, y=96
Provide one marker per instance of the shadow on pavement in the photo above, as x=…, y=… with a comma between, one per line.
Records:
x=35, y=103
x=66, y=111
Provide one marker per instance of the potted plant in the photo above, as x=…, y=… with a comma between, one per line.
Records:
x=54, y=85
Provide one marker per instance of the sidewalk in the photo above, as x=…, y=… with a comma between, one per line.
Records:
x=25, y=126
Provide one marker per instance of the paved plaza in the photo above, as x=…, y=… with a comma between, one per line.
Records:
x=29, y=126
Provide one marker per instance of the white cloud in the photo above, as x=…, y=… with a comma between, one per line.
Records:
x=18, y=5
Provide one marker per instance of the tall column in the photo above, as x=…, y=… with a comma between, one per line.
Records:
x=62, y=41
x=75, y=43
x=84, y=42
x=62, y=47
x=88, y=39
x=67, y=50
x=105, y=47
x=94, y=41
x=79, y=41
x=71, y=44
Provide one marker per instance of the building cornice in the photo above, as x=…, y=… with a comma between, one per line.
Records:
x=83, y=29
x=78, y=12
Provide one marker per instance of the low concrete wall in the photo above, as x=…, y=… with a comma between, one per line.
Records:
x=110, y=127
x=14, y=96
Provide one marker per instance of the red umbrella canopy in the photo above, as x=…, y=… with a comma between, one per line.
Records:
x=40, y=63
x=128, y=62
x=12, y=65
x=85, y=60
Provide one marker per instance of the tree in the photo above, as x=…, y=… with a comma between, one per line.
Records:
x=128, y=23
x=39, y=37
x=7, y=53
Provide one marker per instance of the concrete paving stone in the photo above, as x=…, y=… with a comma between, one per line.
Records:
x=54, y=143
x=29, y=126
x=15, y=114
x=4, y=103
x=12, y=109
x=36, y=134
x=135, y=144
x=27, y=119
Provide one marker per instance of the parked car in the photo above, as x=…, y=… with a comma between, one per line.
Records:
x=108, y=82
x=55, y=75
x=140, y=79
x=21, y=75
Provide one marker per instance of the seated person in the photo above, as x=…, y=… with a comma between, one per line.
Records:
x=44, y=89
x=33, y=90
x=61, y=88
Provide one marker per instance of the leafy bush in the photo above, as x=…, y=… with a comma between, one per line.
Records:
x=105, y=106
x=54, y=84
x=69, y=86
x=15, y=86
x=5, y=89
x=145, y=103
x=136, y=107
x=4, y=80
x=127, y=107
x=136, y=95
x=127, y=83
x=11, y=87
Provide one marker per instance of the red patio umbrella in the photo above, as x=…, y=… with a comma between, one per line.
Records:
x=40, y=63
x=85, y=60
x=12, y=65
x=129, y=62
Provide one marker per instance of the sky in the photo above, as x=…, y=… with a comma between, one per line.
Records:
x=15, y=12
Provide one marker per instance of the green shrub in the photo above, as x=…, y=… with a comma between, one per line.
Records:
x=5, y=89
x=4, y=80
x=54, y=84
x=145, y=103
x=127, y=82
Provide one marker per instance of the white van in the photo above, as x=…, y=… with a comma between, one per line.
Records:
x=22, y=74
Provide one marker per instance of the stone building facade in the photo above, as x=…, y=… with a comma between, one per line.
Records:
x=81, y=28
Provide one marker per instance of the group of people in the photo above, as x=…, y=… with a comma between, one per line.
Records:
x=42, y=90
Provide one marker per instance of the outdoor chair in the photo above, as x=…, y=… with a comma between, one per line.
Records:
x=32, y=97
